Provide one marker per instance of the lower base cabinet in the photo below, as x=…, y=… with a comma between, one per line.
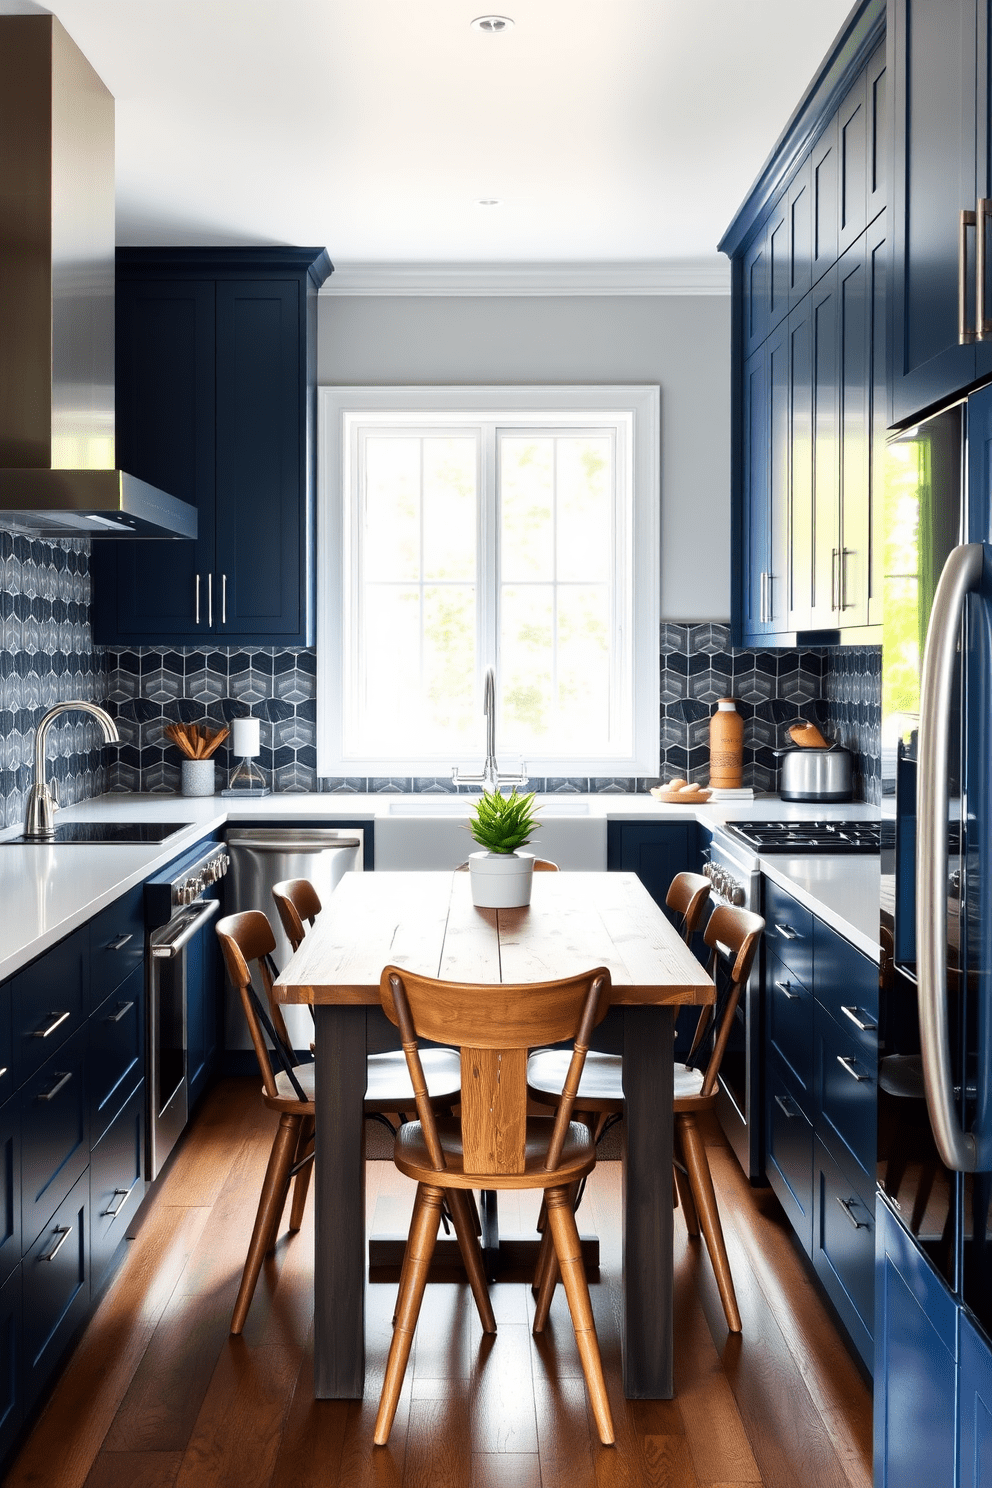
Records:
x=843, y=1250
x=11, y=1350
x=56, y=1288
x=789, y=1152
x=117, y=1183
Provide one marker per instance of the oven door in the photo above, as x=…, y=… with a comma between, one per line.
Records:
x=169, y=948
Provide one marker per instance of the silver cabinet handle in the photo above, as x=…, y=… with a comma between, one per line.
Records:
x=786, y=1108
x=223, y=599
x=57, y=1020
x=983, y=327
x=787, y=932
x=962, y=573
x=852, y=1013
x=197, y=600
x=844, y=554
x=210, y=600
x=765, y=616
x=122, y=1008
x=119, y=943
x=123, y=1194
x=63, y=1235
x=966, y=220
x=847, y=1205
x=847, y=1063
x=786, y=989
x=834, y=556
x=60, y=1084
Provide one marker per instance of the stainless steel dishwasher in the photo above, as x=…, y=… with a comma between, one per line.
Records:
x=260, y=857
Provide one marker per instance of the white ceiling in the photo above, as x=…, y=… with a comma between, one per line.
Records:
x=624, y=133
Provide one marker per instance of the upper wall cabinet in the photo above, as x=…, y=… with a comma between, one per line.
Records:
x=216, y=370
x=808, y=251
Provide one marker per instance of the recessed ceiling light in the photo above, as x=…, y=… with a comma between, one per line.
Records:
x=489, y=201
x=492, y=24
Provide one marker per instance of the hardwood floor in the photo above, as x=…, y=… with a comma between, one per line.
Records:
x=158, y=1395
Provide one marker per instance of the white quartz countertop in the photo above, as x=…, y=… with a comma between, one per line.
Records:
x=48, y=891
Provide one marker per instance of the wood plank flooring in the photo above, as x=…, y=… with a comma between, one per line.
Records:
x=158, y=1395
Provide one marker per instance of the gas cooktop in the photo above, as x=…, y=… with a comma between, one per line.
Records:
x=116, y=831
x=808, y=837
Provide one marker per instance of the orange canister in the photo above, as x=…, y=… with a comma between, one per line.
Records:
x=726, y=746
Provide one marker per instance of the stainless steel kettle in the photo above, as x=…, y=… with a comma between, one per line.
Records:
x=816, y=774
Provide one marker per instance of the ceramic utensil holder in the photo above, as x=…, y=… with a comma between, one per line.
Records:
x=198, y=777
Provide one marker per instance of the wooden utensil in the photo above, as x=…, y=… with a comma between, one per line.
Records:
x=807, y=736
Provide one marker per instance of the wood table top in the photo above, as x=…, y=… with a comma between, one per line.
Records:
x=426, y=922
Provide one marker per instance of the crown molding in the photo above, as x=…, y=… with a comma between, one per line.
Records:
x=709, y=276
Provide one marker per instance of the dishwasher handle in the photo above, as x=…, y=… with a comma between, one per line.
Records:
x=308, y=842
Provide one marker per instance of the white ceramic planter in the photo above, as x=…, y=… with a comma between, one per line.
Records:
x=198, y=777
x=501, y=880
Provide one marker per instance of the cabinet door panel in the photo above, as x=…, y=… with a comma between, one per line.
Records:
x=756, y=503
x=260, y=464
x=115, y=1062
x=844, y=979
x=49, y=1003
x=854, y=359
x=933, y=99
x=54, y=1135
x=116, y=1182
x=825, y=359
x=10, y=1187
x=56, y=1279
x=11, y=1351
x=146, y=591
x=779, y=263
x=847, y=1093
x=117, y=944
x=852, y=165
x=844, y=1248
x=824, y=182
x=800, y=235
x=876, y=102
x=789, y=1015
x=789, y=1151
x=975, y=1408
x=789, y=932
x=877, y=256
x=755, y=280
x=654, y=853
x=800, y=580
x=779, y=474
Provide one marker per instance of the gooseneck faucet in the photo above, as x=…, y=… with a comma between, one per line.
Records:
x=490, y=779
x=39, y=819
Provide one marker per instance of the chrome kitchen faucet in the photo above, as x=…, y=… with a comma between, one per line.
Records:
x=490, y=779
x=39, y=819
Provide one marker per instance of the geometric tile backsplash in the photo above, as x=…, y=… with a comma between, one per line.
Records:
x=47, y=655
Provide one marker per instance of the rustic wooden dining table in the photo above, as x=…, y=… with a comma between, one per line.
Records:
x=427, y=923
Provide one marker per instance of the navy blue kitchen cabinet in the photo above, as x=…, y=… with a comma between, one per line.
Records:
x=216, y=377
x=655, y=851
x=806, y=265
x=820, y=1081
x=974, y=1406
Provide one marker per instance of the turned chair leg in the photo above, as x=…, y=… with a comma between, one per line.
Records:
x=468, y=1244
x=419, y=1249
x=708, y=1214
x=568, y=1249
x=269, y=1212
x=683, y=1190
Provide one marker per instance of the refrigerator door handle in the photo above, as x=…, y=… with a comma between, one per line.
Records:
x=962, y=575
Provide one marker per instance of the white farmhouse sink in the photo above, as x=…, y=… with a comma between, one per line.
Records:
x=432, y=832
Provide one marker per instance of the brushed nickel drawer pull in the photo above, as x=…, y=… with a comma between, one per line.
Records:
x=59, y=1020
x=784, y=987
x=60, y=1084
x=63, y=1235
x=847, y=1205
x=122, y=1008
x=787, y=932
x=123, y=1194
x=210, y=600
x=852, y=1013
x=847, y=1063
x=223, y=599
x=197, y=601
x=783, y=1103
x=119, y=943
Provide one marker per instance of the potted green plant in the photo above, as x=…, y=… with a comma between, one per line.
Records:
x=501, y=874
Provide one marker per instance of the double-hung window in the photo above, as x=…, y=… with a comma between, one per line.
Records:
x=466, y=528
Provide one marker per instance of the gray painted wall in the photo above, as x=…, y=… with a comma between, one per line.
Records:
x=681, y=343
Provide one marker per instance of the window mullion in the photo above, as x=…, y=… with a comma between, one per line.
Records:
x=489, y=572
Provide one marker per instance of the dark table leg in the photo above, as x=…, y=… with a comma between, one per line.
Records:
x=339, y=1182
x=490, y=1232
x=648, y=1038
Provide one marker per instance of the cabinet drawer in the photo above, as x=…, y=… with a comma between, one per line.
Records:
x=7, y=1081
x=116, y=1051
x=847, y=1085
x=10, y=1187
x=789, y=1151
x=54, y=1134
x=55, y=1275
x=48, y=1003
x=789, y=932
x=844, y=1248
x=117, y=944
x=116, y=1183
x=789, y=1014
x=845, y=979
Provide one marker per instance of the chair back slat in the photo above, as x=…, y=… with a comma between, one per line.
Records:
x=297, y=900
x=494, y=1109
x=494, y=1027
x=738, y=932
x=687, y=895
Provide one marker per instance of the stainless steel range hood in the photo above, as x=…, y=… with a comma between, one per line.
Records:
x=58, y=476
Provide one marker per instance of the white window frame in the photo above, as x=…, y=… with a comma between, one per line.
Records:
x=338, y=408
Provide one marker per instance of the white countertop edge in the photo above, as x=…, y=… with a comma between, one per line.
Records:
x=841, y=890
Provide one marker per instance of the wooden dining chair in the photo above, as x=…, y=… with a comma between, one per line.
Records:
x=687, y=895
x=296, y=900
x=493, y=1144
x=247, y=943
x=733, y=936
